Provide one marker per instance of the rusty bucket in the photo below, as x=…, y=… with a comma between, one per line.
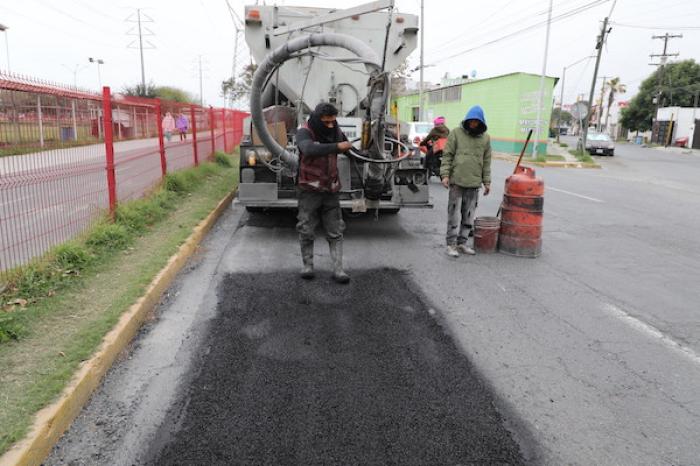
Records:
x=486, y=234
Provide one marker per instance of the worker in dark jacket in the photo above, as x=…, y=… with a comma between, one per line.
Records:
x=319, y=142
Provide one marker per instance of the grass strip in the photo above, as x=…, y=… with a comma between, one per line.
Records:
x=581, y=155
x=64, y=304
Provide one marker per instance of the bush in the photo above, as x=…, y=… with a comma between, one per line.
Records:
x=222, y=159
x=581, y=155
x=181, y=182
x=72, y=256
x=109, y=237
x=563, y=144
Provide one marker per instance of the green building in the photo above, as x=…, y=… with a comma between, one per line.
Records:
x=509, y=102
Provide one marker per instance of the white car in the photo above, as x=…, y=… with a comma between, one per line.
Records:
x=599, y=144
x=418, y=130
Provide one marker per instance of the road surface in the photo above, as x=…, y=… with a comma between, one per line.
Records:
x=589, y=354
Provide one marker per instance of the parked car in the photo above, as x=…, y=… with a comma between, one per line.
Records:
x=598, y=144
x=417, y=130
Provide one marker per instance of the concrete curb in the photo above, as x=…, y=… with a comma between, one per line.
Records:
x=547, y=164
x=53, y=420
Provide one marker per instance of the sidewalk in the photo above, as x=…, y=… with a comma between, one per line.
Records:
x=677, y=150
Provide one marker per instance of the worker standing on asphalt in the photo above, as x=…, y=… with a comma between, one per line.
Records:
x=319, y=141
x=466, y=166
x=434, y=144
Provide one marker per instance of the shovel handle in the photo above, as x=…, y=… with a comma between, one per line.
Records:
x=522, y=152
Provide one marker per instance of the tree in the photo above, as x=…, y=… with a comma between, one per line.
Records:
x=614, y=87
x=681, y=80
x=138, y=90
x=152, y=91
x=239, y=89
x=566, y=117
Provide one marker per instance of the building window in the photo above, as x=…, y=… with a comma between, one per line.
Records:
x=453, y=94
x=435, y=97
x=415, y=113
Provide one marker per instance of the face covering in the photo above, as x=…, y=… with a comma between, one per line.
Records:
x=473, y=131
x=322, y=132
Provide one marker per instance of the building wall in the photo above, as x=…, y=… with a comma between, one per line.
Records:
x=684, y=118
x=509, y=103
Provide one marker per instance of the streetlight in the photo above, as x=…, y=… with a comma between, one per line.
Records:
x=75, y=71
x=4, y=29
x=98, y=62
x=561, y=101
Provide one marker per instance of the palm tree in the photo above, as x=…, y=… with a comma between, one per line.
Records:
x=615, y=87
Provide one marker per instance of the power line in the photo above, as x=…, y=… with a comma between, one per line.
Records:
x=560, y=17
x=666, y=28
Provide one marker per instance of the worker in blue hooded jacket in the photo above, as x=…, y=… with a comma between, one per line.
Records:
x=466, y=167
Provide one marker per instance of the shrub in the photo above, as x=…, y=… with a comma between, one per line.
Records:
x=109, y=237
x=222, y=159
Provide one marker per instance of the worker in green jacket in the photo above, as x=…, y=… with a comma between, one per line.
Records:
x=466, y=166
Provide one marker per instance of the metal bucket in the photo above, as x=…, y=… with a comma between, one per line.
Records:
x=486, y=234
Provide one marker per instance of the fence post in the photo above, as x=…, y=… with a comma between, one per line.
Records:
x=74, y=119
x=194, y=135
x=40, y=117
x=212, y=123
x=109, y=149
x=161, y=143
x=223, y=126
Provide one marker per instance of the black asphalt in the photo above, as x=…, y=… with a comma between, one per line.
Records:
x=307, y=373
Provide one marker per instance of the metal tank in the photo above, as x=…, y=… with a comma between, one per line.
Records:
x=309, y=55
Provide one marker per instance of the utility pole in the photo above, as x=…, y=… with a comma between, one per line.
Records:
x=201, y=98
x=141, y=18
x=422, y=43
x=599, y=113
x=98, y=62
x=4, y=29
x=236, y=26
x=662, y=63
x=600, y=41
x=540, y=95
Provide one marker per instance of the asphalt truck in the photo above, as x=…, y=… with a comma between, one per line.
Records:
x=309, y=55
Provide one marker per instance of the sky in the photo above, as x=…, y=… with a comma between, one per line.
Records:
x=50, y=40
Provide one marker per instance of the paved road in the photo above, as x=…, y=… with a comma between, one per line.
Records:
x=48, y=197
x=591, y=352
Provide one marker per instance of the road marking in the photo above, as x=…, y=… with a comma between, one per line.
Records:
x=653, y=332
x=574, y=194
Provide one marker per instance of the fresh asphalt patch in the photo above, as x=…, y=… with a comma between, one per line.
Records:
x=298, y=372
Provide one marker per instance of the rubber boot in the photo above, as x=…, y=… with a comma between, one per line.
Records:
x=336, y=249
x=307, y=257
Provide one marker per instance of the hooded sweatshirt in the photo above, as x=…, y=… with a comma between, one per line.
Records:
x=466, y=159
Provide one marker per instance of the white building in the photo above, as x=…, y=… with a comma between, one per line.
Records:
x=686, y=124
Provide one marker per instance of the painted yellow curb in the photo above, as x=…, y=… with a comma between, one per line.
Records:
x=53, y=420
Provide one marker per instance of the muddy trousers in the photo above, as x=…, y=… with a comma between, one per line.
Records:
x=315, y=207
x=461, y=207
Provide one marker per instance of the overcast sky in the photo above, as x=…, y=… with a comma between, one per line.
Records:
x=47, y=39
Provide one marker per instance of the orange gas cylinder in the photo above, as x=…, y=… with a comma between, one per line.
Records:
x=521, y=217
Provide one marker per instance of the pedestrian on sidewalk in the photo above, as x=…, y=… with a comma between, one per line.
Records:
x=168, y=125
x=320, y=141
x=182, y=124
x=466, y=166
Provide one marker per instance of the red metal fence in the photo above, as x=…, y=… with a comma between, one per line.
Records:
x=67, y=156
